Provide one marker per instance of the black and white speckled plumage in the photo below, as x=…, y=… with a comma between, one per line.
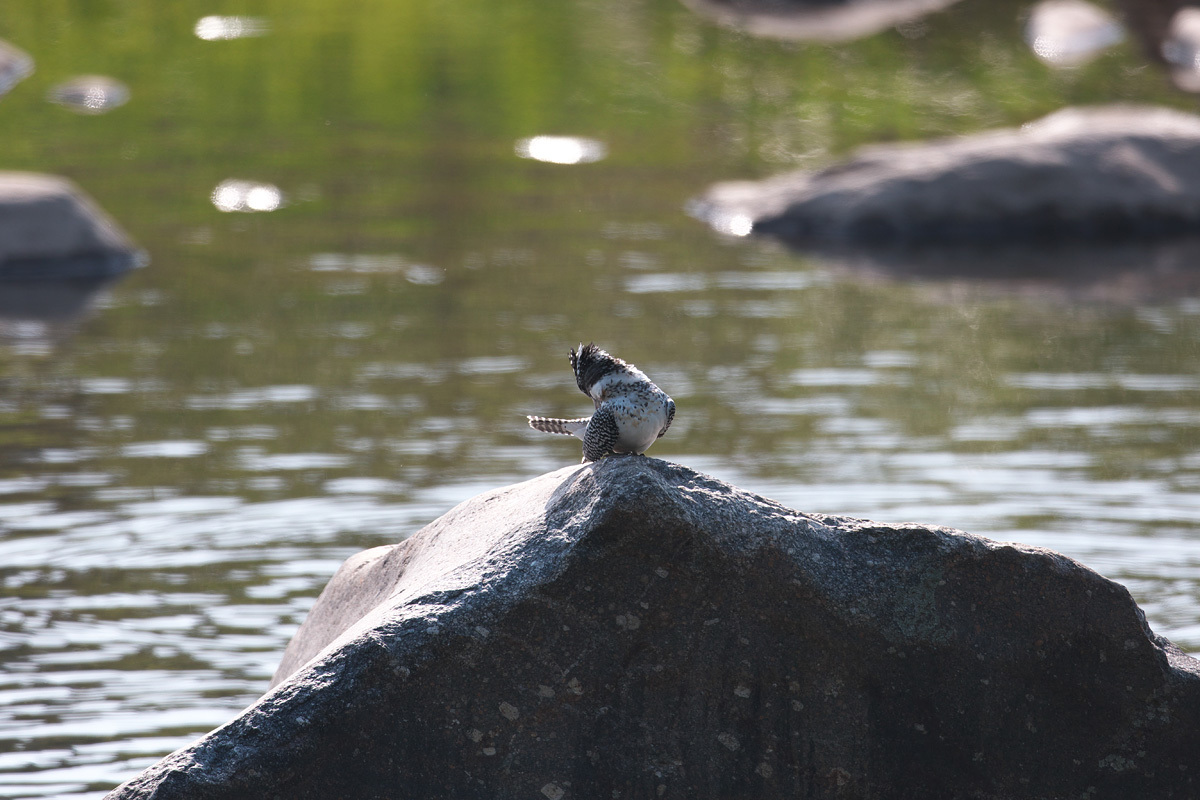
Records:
x=590, y=364
x=631, y=412
x=563, y=427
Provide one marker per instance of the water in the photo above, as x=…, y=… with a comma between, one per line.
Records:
x=351, y=349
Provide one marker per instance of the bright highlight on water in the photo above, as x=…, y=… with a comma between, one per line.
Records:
x=90, y=94
x=212, y=29
x=235, y=195
x=561, y=149
x=735, y=225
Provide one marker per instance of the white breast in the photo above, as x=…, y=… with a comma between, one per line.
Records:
x=638, y=432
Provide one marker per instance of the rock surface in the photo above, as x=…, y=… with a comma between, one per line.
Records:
x=1082, y=174
x=50, y=230
x=634, y=629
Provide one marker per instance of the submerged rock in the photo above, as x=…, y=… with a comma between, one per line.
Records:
x=632, y=628
x=1181, y=48
x=51, y=230
x=819, y=20
x=15, y=66
x=1069, y=33
x=90, y=94
x=1080, y=174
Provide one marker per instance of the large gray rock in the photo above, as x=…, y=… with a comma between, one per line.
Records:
x=634, y=629
x=1087, y=174
x=51, y=230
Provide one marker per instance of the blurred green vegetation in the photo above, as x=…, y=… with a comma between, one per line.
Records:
x=390, y=127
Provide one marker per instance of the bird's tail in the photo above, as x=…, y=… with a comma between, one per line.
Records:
x=565, y=427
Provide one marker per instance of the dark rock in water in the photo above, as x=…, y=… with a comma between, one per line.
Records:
x=1082, y=174
x=50, y=230
x=1169, y=31
x=1181, y=48
x=634, y=629
x=15, y=66
x=1069, y=33
x=1150, y=21
x=820, y=20
x=90, y=94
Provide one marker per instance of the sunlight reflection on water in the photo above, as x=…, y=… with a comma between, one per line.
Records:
x=561, y=149
x=238, y=195
x=231, y=646
x=90, y=94
x=97, y=658
x=216, y=28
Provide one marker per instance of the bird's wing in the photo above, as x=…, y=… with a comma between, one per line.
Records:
x=670, y=417
x=601, y=434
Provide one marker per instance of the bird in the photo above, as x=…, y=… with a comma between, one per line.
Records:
x=631, y=412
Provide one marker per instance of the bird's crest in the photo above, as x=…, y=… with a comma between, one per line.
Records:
x=590, y=364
